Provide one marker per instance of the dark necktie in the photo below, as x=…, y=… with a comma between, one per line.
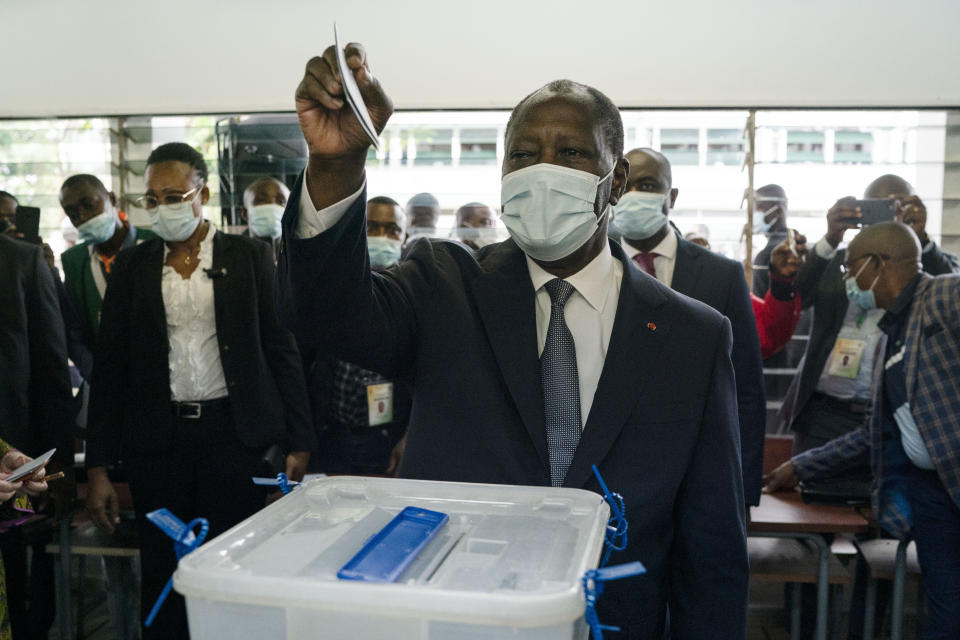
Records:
x=645, y=260
x=561, y=385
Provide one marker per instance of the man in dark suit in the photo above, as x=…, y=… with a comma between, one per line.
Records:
x=534, y=358
x=705, y=276
x=36, y=412
x=194, y=377
x=913, y=435
x=36, y=401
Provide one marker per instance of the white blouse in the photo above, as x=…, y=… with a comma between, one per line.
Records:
x=196, y=372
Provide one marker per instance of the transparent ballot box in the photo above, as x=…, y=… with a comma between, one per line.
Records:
x=462, y=562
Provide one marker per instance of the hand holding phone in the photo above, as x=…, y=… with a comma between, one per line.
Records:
x=27, y=221
x=877, y=210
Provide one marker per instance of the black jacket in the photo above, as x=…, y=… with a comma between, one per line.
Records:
x=36, y=401
x=130, y=393
x=720, y=283
x=461, y=329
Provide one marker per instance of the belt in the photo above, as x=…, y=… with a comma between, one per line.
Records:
x=194, y=410
x=851, y=406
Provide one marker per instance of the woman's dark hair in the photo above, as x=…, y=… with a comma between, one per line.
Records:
x=180, y=152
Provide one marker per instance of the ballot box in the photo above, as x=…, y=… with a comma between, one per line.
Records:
x=374, y=558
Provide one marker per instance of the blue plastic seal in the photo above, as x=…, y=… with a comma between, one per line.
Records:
x=385, y=556
x=184, y=541
x=593, y=582
x=616, y=534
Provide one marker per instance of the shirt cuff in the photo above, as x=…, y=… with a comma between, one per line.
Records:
x=311, y=222
x=803, y=465
x=824, y=249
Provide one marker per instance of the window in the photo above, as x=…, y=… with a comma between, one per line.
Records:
x=478, y=146
x=433, y=147
x=852, y=146
x=725, y=146
x=804, y=146
x=681, y=146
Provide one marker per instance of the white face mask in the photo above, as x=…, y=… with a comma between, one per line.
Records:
x=549, y=209
x=479, y=236
x=99, y=228
x=639, y=215
x=384, y=252
x=174, y=224
x=264, y=220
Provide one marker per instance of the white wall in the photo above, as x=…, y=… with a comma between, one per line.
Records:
x=197, y=56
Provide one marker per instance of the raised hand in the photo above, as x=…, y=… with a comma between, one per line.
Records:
x=329, y=125
x=843, y=215
x=783, y=262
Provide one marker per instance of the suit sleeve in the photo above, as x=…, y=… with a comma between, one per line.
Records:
x=751, y=393
x=327, y=294
x=838, y=455
x=283, y=358
x=938, y=262
x=708, y=569
x=51, y=394
x=108, y=386
x=809, y=277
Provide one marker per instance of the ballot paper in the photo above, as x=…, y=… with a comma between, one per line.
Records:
x=30, y=467
x=352, y=93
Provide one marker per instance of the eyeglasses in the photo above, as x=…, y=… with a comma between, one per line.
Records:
x=174, y=200
x=847, y=268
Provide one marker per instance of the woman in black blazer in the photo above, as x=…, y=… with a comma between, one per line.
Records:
x=194, y=378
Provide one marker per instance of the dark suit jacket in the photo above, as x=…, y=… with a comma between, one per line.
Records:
x=130, y=392
x=720, y=283
x=461, y=328
x=36, y=401
x=821, y=286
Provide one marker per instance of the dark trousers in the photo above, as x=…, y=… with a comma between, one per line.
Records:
x=936, y=530
x=207, y=473
x=30, y=593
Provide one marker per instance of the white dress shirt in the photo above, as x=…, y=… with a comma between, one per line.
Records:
x=666, y=259
x=589, y=312
x=196, y=372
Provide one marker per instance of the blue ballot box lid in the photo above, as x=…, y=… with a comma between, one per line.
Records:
x=470, y=553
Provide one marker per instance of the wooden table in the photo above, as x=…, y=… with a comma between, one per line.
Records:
x=785, y=515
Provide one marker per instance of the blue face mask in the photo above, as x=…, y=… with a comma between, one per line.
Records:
x=264, y=220
x=866, y=300
x=639, y=215
x=384, y=252
x=99, y=228
x=759, y=224
x=174, y=225
x=549, y=209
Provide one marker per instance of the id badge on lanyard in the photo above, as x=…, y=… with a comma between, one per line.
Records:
x=846, y=357
x=379, y=402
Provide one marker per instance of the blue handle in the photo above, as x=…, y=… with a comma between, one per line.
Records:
x=184, y=541
x=593, y=582
x=616, y=534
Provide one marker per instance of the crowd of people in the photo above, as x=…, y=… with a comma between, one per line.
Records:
x=338, y=334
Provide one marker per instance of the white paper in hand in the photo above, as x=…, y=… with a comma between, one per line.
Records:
x=30, y=467
x=352, y=92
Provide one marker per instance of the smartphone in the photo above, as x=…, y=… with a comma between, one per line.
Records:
x=27, y=220
x=877, y=210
